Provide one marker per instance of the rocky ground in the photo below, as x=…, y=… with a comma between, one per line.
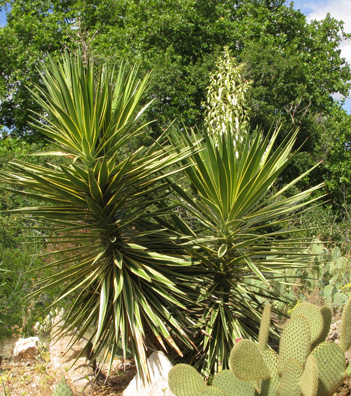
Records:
x=32, y=379
x=21, y=379
x=35, y=377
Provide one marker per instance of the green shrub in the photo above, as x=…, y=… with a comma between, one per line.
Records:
x=18, y=313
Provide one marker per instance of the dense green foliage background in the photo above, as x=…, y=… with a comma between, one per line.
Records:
x=17, y=255
x=295, y=65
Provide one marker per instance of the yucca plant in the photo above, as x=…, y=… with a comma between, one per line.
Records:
x=239, y=240
x=239, y=235
x=120, y=264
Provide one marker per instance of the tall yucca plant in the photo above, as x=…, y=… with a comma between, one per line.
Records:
x=121, y=263
x=239, y=234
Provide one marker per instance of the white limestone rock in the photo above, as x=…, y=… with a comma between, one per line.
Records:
x=26, y=348
x=159, y=367
x=63, y=361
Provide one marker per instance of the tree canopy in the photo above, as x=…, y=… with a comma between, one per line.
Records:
x=295, y=65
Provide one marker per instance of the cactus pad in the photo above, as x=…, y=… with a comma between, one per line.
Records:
x=309, y=379
x=269, y=386
x=327, y=318
x=335, y=253
x=247, y=363
x=328, y=293
x=289, y=383
x=331, y=367
x=315, y=319
x=345, y=331
x=348, y=371
x=299, y=370
x=62, y=389
x=231, y=385
x=184, y=380
x=263, y=334
x=339, y=299
x=212, y=391
x=295, y=342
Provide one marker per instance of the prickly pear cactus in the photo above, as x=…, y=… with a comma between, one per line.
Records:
x=212, y=391
x=340, y=271
x=62, y=389
x=247, y=363
x=345, y=331
x=313, y=314
x=328, y=293
x=348, y=371
x=327, y=318
x=289, y=384
x=302, y=368
x=331, y=366
x=309, y=379
x=335, y=253
x=184, y=380
x=295, y=342
x=231, y=385
x=339, y=299
x=263, y=334
x=270, y=385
